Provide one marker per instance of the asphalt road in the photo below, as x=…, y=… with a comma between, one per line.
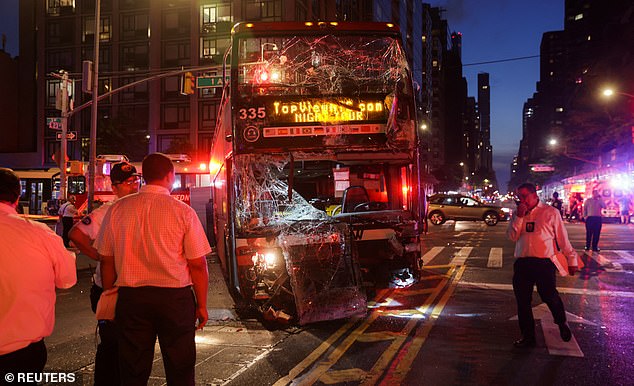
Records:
x=455, y=326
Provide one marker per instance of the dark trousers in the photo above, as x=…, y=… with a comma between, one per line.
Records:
x=67, y=223
x=528, y=272
x=142, y=314
x=593, y=231
x=30, y=359
x=107, y=356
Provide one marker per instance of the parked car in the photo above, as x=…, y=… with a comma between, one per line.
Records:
x=443, y=207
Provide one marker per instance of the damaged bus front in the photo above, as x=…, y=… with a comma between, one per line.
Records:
x=316, y=195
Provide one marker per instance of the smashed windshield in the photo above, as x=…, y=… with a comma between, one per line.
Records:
x=322, y=65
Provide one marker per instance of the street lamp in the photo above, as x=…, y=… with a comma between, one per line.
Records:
x=609, y=92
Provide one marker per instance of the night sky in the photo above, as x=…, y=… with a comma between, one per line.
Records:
x=491, y=30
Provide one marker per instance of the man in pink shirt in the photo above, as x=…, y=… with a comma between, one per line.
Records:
x=33, y=263
x=153, y=249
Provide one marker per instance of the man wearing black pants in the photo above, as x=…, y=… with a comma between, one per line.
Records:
x=153, y=248
x=537, y=229
x=592, y=214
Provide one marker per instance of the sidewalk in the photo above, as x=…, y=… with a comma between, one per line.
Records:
x=225, y=348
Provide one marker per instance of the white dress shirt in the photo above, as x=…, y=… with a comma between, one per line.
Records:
x=90, y=226
x=547, y=226
x=33, y=262
x=151, y=235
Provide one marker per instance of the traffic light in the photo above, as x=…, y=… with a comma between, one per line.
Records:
x=188, y=84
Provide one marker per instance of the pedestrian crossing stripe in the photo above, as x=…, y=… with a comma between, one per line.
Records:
x=610, y=260
x=495, y=258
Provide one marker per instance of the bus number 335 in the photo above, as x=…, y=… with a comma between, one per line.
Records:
x=252, y=113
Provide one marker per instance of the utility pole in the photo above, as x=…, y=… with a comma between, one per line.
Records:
x=92, y=162
x=61, y=103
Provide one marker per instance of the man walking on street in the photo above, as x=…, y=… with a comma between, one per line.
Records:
x=153, y=249
x=537, y=229
x=124, y=180
x=33, y=263
x=592, y=213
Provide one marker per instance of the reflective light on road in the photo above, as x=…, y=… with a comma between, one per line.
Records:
x=199, y=339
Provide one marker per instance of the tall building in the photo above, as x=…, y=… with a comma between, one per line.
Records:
x=139, y=39
x=593, y=51
x=484, y=109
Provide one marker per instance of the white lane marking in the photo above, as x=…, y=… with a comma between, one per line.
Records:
x=429, y=256
x=555, y=345
x=461, y=256
x=563, y=290
x=625, y=255
x=495, y=258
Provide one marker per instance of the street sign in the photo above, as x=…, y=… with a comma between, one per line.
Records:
x=542, y=168
x=54, y=123
x=210, y=81
x=70, y=136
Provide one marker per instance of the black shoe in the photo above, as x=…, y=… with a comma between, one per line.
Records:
x=525, y=343
x=586, y=248
x=596, y=250
x=565, y=333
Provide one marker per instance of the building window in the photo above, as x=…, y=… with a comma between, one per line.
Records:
x=54, y=7
x=60, y=33
x=138, y=93
x=135, y=26
x=172, y=87
x=175, y=116
x=88, y=30
x=176, y=53
x=579, y=16
x=59, y=60
x=176, y=22
x=266, y=10
x=105, y=62
x=51, y=91
x=134, y=56
x=559, y=109
x=211, y=14
x=208, y=48
x=207, y=114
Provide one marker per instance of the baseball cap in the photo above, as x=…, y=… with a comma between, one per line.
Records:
x=121, y=171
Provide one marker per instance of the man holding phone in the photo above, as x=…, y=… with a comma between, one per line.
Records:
x=538, y=230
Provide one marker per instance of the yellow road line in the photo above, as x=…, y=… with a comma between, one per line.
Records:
x=396, y=374
x=301, y=366
x=327, y=344
x=388, y=355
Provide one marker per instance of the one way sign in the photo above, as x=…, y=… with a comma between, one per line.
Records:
x=70, y=136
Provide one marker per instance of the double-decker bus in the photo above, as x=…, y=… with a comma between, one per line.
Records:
x=315, y=168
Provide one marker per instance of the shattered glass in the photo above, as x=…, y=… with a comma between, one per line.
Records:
x=333, y=80
x=307, y=110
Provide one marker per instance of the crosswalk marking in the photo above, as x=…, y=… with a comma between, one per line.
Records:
x=461, y=256
x=429, y=256
x=625, y=255
x=615, y=261
x=495, y=258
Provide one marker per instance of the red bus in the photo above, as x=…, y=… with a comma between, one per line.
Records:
x=315, y=168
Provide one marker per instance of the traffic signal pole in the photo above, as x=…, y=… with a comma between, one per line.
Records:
x=92, y=162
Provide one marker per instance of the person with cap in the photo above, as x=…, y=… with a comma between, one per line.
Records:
x=124, y=181
x=67, y=213
x=33, y=263
x=153, y=249
x=537, y=230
